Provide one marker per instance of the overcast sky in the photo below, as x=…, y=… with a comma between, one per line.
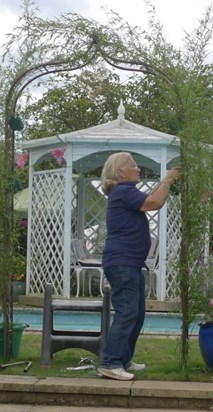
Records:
x=175, y=15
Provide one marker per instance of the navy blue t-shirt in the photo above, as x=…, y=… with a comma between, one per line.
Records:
x=128, y=238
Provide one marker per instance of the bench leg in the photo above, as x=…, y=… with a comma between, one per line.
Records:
x=101, y=282
x=78, y=281
x=101, y=272
x=47, y=326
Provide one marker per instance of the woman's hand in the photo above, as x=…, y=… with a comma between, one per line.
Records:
x=159, y=195
x=174, y=173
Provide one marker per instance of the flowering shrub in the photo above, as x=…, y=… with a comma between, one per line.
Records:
x=19, y=268
x=19, y=260
x=18, y=276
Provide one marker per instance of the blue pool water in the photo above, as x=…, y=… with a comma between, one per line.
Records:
x=155, y=323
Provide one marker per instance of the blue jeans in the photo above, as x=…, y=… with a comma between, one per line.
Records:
x=128, y=300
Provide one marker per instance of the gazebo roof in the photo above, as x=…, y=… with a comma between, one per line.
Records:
x=94, y=144
x=124, y=130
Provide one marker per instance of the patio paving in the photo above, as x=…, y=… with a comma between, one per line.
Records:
x=81, y=393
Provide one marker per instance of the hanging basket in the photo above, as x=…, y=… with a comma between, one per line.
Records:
x=16, y=123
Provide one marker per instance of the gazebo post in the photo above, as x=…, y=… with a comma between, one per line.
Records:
x=67, y=222
x=161, y=284
x=81, y=207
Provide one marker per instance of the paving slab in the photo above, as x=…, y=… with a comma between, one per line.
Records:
x=17, y=383
x=83, y=393
x=198, y=390
x=47, y=408
x=83, y=385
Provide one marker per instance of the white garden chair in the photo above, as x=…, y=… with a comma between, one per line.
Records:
x=83, y=264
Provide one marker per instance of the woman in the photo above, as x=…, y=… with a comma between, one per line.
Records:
x=125, y=252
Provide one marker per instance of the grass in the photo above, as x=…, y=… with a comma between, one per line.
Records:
x=160, y=354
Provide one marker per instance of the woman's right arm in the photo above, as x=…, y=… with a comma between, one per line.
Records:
x=157, y=198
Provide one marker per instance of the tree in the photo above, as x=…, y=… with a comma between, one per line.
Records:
x=93, y=97
x=81, y=101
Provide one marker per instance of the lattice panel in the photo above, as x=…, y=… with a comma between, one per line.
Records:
x=47, y=231
x=173, y=246
x=74, y=208
x=198, y=253
x=153, y=217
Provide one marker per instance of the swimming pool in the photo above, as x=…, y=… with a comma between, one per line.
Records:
x=155, y=323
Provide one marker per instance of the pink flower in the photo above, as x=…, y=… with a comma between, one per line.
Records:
x=20, y=159
x=23, y=222
x=58, y=154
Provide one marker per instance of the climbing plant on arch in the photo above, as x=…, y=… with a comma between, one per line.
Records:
x=71, y=42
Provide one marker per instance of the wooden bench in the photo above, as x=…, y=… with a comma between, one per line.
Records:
x=56, y=340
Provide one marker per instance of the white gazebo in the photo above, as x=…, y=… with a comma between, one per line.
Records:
x=67, y=200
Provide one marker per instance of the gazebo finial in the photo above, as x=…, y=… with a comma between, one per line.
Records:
x=121, y=111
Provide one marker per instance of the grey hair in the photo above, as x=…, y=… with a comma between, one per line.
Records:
x=109, y=176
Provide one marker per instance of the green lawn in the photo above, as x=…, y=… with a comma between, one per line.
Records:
x=160, y=354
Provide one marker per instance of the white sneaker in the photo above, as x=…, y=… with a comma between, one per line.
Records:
x=118, y=373
x=136, y=367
